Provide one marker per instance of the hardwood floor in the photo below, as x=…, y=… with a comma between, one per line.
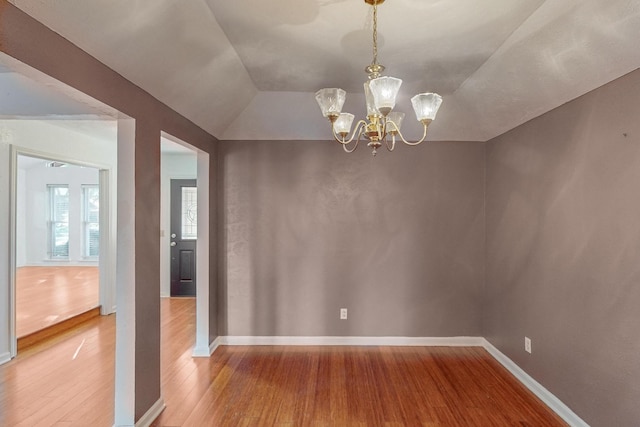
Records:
x=65, y=381
x=56, y=329
x=269, y=385
x=347, y=386
x=48, y=295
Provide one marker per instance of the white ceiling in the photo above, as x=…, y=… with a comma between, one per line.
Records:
x=249, y=69
x=27, y=92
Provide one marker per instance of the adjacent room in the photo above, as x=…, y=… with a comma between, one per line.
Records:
x=57, y=243
x=332, y=212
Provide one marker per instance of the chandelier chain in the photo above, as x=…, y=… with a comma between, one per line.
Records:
x=375, y=32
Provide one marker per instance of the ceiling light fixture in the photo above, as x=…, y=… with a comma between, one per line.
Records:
x=380, y=96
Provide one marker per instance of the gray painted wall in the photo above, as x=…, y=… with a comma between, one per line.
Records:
x=563, y=251
x=308, y=229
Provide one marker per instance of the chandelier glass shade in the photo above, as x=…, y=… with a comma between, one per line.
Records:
x=382, y=123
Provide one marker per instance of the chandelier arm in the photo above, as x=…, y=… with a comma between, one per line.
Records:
x=358, y=129
x=424, y=135
x=393, y=142
x=352, y=149
x=344, y=146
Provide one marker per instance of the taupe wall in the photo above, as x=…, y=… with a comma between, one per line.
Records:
x=27, y=40
x=308, y=229
x=563, y=251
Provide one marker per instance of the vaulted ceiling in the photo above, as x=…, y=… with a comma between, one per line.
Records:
x=249, y=69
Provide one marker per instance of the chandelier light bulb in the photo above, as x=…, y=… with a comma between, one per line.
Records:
x=385, y=90
x=342, y=125
x=426, y=106
x=368, y=97
x=396, y=117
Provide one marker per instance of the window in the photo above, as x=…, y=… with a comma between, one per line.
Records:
x=189, y=213
x=90, y=221
x=58, y=221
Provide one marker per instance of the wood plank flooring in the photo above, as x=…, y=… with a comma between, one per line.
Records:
x=66, y=381
x=48, y=295
x=347, y=386
x=56, y=329
x=269, y=385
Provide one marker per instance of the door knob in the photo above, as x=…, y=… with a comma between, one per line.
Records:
x=173, y=235
x=173, y=243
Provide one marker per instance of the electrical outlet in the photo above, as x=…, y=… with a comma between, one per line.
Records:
x=527, y=344
x=343, y=313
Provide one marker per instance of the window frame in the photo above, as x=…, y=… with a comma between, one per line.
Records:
x=86, y=222
x=53, y=221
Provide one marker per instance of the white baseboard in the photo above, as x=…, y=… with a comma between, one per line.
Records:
x=62, y=263
x=106, y=312
x=214, y=346
x=201, y=352
x=206, y=351
x=151, y=415
x=536, y=388
x=5, y=357
x=359, y=341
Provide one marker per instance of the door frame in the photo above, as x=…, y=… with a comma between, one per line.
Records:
x=202, y=346
x=105, y=266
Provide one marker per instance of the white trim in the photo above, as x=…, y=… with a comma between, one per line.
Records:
x=66, y=262
x=5, y=357
x=107, y=244
x=357, y=341
x=201, y=351
x=203, y=271
x=208, y=350
x=13, y=191
x=536, y=388
x=150, y=416
x=214, y=345
x=44, y=155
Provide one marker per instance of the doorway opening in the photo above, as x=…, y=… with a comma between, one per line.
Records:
x=57, y=246
x=184, y=219
x=45, y=118
x=46, y=121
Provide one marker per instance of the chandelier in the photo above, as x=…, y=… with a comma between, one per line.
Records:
x=380, y=96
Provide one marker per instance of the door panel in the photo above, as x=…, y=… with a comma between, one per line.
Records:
x=183, y=237
x=187, y=260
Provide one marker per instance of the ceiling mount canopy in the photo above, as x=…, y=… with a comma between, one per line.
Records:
x=380, y=96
